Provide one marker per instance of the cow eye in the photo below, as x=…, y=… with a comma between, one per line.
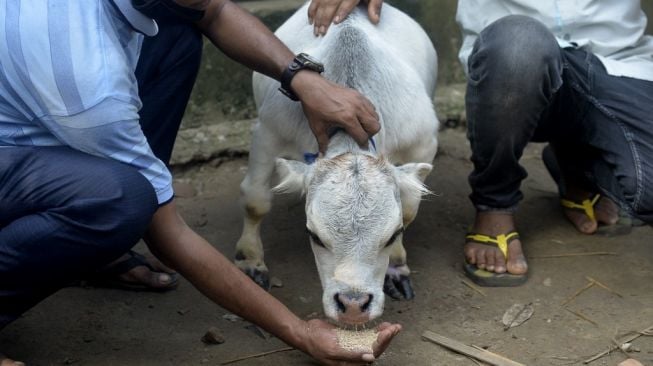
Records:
x=315, y=238
x=394, y=237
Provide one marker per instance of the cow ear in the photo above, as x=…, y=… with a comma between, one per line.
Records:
x=292, y=175
x=410, y=178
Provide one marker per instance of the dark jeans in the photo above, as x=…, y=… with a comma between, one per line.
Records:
x=63, y=213
x=523, y=87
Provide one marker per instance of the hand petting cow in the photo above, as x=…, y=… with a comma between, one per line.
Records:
x=358, y=201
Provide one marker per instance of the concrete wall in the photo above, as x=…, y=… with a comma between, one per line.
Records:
x=223, y=90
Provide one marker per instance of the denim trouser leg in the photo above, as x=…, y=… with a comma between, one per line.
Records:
x=522, y=87
x=608, y=121
x=166, y=73
x=514, y=72
x=63, y=214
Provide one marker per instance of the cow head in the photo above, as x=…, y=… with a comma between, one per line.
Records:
x=353, y=218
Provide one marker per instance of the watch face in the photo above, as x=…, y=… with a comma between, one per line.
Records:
x=309, y=62
x=306, y=58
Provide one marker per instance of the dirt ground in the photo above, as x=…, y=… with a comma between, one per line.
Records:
x=90, y=326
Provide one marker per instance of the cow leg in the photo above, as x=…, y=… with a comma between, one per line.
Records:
x=397, y=279
x=256, y=201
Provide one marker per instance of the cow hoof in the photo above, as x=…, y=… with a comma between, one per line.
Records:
x=398, y=287
x=260, y=277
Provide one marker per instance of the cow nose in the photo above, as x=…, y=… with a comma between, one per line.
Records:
x=353, y=303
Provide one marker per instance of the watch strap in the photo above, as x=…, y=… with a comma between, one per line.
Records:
x=286, y=77
x=300, y=62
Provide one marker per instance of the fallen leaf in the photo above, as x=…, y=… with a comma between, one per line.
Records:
x=516, y=315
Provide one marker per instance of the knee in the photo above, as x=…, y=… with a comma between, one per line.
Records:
x=515, y=45
x=127, y=201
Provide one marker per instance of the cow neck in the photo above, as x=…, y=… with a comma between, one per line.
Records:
x=341, y=143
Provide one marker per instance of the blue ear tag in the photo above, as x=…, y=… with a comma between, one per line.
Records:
x=373, y=143
x=309, y=158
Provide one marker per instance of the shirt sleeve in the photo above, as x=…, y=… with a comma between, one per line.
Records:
x=121, y=140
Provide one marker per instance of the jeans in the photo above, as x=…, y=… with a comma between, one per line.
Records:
x=64, y=213
x=523, y=87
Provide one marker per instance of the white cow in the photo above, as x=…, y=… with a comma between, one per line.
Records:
x=358, y=202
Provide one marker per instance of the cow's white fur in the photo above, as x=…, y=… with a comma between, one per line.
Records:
x=355, y=199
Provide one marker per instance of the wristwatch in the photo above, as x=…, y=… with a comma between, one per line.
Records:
x=301, y=62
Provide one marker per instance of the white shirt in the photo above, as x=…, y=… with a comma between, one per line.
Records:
x=613, y=30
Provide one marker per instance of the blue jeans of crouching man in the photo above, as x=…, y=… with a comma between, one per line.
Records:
x=63, y=213
x=523, y=87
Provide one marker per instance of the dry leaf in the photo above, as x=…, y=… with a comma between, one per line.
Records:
x=516, y=315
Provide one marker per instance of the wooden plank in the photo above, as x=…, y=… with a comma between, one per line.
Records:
x=477, y=353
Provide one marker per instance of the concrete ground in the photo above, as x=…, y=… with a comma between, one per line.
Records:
x=91, y=326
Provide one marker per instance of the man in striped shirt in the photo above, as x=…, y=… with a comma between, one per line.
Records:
x=81, y=180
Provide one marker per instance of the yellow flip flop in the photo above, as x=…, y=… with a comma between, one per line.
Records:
x=622, y=227
x=490, y=279
x=587, y=205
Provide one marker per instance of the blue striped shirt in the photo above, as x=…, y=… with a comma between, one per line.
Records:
x=67, y=78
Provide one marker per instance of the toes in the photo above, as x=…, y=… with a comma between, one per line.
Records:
x=517, y=265
x=145, y=276
x=489, y=259
x=9, y=362
x=607, y=211
x=480, y=258
x=516, y=262
x=581, y=221
x=492, y=260
x=470, y=254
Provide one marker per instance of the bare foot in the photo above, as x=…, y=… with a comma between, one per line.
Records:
x=138, y=272
x=605, y=210
x=490, y=258
x=5, y=361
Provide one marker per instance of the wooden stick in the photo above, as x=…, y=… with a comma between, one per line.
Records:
x=466, y=283
x=646, y=332
x=590, y=284
x=580, y=315
x=562, y=255
x=602, y=285
x=478, y=353
x=285, y=349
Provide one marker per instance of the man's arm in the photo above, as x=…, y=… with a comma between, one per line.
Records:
x=244, y=38
x=177, y=245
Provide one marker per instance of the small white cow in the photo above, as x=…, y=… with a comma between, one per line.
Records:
x=358, y=202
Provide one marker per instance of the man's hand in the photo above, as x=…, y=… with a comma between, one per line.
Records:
x=322, y=344
x=328, y=105
x=321, y=13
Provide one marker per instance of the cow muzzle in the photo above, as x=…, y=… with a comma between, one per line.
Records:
x=353, y=307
